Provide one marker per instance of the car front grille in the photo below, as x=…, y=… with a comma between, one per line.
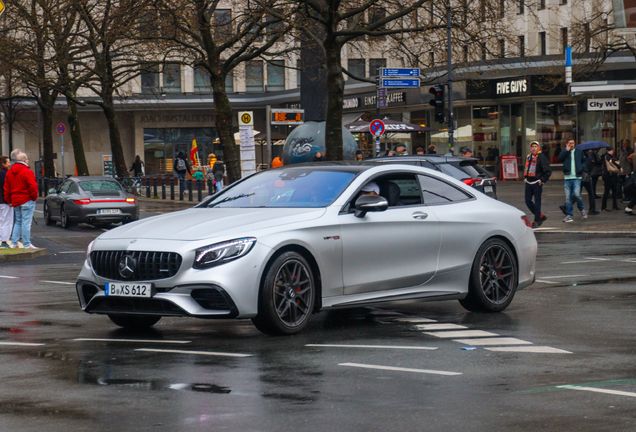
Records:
x=148, y=265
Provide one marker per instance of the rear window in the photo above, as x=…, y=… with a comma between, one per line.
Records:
x=453, y=171
x=100, y=185
x=474, y=170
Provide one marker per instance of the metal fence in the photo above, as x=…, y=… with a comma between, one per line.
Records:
x=150, y=187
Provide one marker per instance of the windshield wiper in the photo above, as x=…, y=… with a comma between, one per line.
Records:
x=232, y=198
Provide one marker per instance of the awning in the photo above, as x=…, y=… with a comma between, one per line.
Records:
x=351, y=117
x=602, y=87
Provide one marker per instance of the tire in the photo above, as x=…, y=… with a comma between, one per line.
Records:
x=287, y=296
x=134, y=322
x=493, y=278
x=64, y=219
x=47, y=215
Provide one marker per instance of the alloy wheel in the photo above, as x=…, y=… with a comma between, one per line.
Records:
x=496, y=274
x=293, y=290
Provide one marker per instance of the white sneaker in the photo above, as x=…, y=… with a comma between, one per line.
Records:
x=31, y=247
x=13, y=246
x=628, y=210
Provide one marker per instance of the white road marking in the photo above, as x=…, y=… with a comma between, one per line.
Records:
x=546, y=282
x=372, y=346
x=630, y=260
x=73, y=252
x=415, y=320
x=21, y=344
x=493, y=341
x=57, y=282
x=209, y=353
x=8, y=277
x=440, y=327
x=597, y=259
x=399, y=369
x=544, y=229
x=598, y=390
x=461, y=334
x=38, y=211
x=530, y=349
x=577, y=262
x=561, y=277
x=132, y=340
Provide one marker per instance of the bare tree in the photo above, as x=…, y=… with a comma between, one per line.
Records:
x=219, y=40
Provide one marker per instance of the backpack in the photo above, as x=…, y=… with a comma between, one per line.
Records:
x=181, y=165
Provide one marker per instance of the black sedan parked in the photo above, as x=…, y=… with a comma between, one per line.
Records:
x=90, y=199
x=464, y=169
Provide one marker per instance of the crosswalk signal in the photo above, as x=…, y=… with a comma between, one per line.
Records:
x=438, y=103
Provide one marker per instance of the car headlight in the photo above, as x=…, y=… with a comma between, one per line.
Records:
x=88, y=253
x=221, y=253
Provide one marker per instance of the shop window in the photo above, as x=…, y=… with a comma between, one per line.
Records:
x=150, y=78
x=254, y=76
x=374, y=65
x=556, y=123
x=172, y=78
x=276, y=75
x=161, y=145
x=485, y=132
x=356, y=67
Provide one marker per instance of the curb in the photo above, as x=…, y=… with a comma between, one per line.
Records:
x=26, y=255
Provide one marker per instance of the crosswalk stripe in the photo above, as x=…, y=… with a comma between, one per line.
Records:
x=440, y=326
x=530, y=349
x=493, y=341
x=415, y=320
x=399, y=369
x=461, y=334
x=598, y=390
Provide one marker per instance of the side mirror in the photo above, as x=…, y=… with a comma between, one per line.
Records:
x=370, y=203
x=52, y=191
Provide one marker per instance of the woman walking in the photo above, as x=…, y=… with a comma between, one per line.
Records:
x=6, y=212
x=137, y=167
x=611, y=170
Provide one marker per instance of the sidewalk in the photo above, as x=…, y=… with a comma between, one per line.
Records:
x=615, y=222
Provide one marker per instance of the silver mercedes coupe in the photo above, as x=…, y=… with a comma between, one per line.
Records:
x=283, y=244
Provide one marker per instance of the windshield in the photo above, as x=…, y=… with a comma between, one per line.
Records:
x=293, y=187
x=100, y=185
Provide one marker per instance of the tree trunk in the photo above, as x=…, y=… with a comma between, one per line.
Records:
x=76, y=137
x=335, y=94
x=119, y=162
x=47, y=142
x=231, y=151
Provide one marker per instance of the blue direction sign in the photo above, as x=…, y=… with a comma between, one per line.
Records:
x=400, y=82
x=376, y=127
x=399, y=72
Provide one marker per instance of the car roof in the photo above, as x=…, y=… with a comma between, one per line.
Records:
x=91, y=178
x=433, y=158
x=343, y=166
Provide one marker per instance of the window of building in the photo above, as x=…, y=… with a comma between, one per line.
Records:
x=432, y=58
x=229, y=82
x=254, y=76
x=202, y=81
x=298, y=72
x=564, y=2
x=502, y=8
x=356, y=67
x=522, y=46
x=522, y=6
x=587, y=37
x=274, y=27
x=502, y=48
x=375, y=15
x=256, y=30
x=542, y=44
x=438, y=192
x=150, y=78
x=222, y=25
x=465, y=54
x=564, y=38
x=172, y=78
x=374, y=65
x=556, y=123
x=161, y=145
x=276, y=75
x=541, y=4
x=483, y=53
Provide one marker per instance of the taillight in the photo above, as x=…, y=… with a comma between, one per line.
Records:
x=472, y=182
x=83, y=201
x=130, y=200
x=526, y=221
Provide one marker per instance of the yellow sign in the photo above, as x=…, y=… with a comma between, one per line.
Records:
x=1, y=7
x=246, y=118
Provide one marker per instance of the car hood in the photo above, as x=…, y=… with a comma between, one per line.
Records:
x=201, y=223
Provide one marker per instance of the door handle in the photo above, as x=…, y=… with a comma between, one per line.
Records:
x=419, y=215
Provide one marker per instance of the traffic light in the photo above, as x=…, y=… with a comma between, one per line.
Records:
x=438, y=103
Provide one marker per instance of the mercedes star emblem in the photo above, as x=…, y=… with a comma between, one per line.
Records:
x=127, y=267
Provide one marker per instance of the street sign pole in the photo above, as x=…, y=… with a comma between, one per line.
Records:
x=268, y=131
x=61, y=129
x=450, y=82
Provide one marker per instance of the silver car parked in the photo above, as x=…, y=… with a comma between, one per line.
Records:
x=89, y=199
x=285, y=243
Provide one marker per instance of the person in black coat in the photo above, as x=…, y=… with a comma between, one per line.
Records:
x=536, y=173
x=611, y=170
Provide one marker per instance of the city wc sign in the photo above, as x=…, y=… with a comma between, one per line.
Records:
x=602, y=104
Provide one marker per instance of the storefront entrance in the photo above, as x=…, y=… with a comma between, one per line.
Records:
x=162, y=145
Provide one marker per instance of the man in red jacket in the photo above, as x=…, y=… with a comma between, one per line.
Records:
x=21, y=192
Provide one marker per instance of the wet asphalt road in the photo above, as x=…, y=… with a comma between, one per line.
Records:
x=82, y=373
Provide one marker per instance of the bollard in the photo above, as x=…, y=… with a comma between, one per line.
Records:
x=172, y=188
x=147, y=187
x=189, y=183
x=154, y=189
x=46, y=185
x=163, y=188
x=181, y=189
x=199, y=194
x=210, y=187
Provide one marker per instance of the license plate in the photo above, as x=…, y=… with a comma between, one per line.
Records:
x=128, y=289
x=109, y=211
x=487, y=189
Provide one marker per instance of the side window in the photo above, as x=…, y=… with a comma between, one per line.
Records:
x=399, y=189
x=427, y=164
x=438, y=192
x=72, y=189
x=65, y=187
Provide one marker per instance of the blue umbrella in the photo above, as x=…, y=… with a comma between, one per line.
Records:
x=592, y=145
